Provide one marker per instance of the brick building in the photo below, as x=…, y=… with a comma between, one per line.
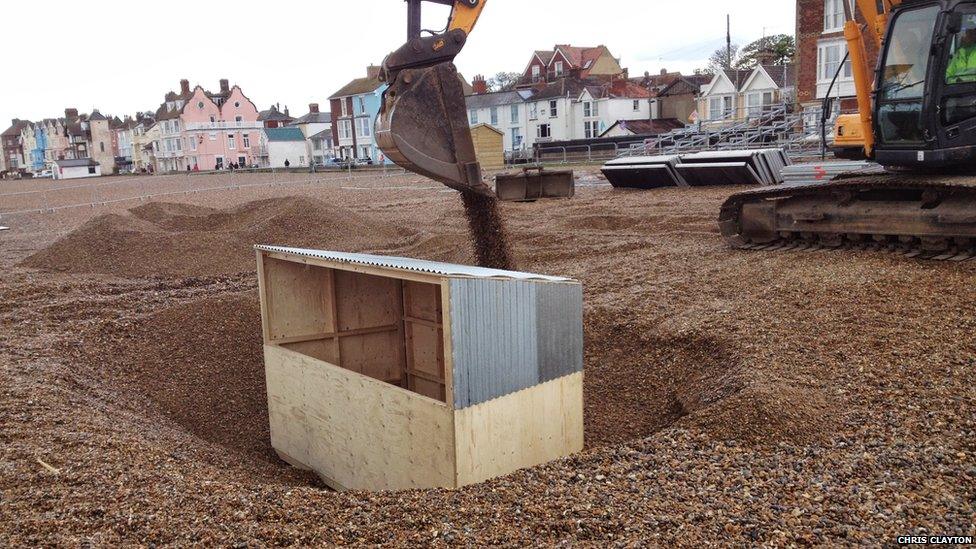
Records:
x=821, y=48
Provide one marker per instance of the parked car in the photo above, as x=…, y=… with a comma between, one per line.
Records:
x=44, y=174
x=364, y=161
x=341, y=163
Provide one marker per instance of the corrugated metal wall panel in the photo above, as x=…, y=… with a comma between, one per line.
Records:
x=511, y=335
x=560, y=330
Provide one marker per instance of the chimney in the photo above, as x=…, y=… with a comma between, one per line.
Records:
x=664, y=72
x=185, y=88
x=224, y=85
x=373, y=71
x=479, y=84
x=286, y=112
x=313, y=108
x=71, y=113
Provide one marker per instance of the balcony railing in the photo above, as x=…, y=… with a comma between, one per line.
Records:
x=213, y=126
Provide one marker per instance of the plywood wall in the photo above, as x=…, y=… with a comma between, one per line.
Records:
x=523, y=429
x=355, y=432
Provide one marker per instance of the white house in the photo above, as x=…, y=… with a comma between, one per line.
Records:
x=567, y=109
x=76, y=168
x=316, y=126
x=734, y=95
x=286, y=145
x=320, y=147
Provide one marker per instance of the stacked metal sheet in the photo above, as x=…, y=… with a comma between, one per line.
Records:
x=823, y=172
x=746, y=167
x=644, y=172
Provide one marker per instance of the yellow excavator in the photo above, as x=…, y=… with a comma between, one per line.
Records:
x=917, y=118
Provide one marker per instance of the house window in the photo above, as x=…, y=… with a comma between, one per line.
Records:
x=829, y=56
x=345, y=107
x=345, y=129
x=515, y=114
x=91, y=170
x=364, y=127
x=553, y=109
x=516, y=138
x=544, y=131
x=754, y=104
x=101, y=145
x=213, y=119
x=193, y=142
x=536, y=71
x=833, y=15
x=242, y=161
x=494, y=116
x=637, y=105
x=239, y=119
x=533, y=111
x=362, y=105
x=587, y=109
x=591, y=129
x=559, y=68
x=246, y=139
x=715, y=110
x=213, y=136
x=365, y=153
x=473, y=116
x=231, y=141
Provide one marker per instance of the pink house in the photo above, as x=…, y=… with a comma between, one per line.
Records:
x=220, y=129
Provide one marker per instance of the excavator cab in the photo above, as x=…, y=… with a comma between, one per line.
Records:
x=925, y=94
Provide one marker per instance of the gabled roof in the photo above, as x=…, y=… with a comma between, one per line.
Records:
x=489, y=126
x=15, y=128
x=324, y=134
x=273, y=114
x=647, y=127
x=358, y=86
x=494, y=99
x=686, y=84
x=314, y=118
x=97, y=116
x=783, y=75
x=738, y=77
x=280, y=135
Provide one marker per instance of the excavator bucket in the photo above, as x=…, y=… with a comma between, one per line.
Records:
x=535, y=183
x=423, y=127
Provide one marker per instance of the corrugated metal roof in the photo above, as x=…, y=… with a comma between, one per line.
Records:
x=414, y=265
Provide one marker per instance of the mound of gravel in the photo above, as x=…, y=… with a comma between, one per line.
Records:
x=178, y=240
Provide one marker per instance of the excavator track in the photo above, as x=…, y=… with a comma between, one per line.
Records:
x=920, y=216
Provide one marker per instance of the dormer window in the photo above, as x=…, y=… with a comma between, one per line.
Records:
x=559, y=68
x=536, y=71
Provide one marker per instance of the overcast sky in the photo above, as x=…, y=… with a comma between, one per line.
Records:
x=123, y=56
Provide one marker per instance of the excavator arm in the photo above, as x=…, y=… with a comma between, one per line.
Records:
x=423, y=121
x=876, y=14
